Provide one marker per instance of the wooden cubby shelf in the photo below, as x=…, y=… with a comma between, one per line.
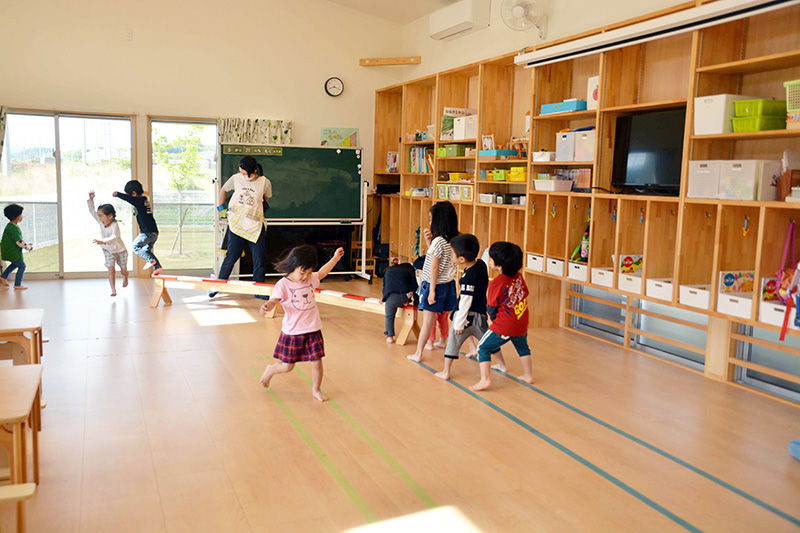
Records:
x=754, y=65
x=685, y=242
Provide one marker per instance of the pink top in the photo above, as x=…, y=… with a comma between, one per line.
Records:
x=299, y=305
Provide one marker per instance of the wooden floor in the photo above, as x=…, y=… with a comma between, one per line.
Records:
x=156, y=421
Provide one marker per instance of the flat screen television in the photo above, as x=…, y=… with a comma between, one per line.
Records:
x=648, y=148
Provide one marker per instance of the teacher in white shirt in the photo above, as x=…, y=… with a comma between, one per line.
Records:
x=246, y=223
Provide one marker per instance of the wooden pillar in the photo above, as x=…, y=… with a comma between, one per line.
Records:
x=719, y=346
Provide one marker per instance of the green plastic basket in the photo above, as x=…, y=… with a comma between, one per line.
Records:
x=760, y=108
x=749, y=124
x=792, y=96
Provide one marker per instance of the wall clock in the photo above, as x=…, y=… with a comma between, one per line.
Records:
x=334, y=86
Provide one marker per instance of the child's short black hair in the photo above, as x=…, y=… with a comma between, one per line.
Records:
x=134, y=186
x=12, y=211
x=507, y=256
x=466, y=245
x=444, y=220
x=304, y=256
x=408, y=267
x=418, y=263
x=108, y=210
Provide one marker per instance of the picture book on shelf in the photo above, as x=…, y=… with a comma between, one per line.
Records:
x=736, y=281
x=630, y=263
x=769, y=289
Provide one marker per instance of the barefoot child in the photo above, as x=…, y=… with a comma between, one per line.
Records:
x=11, y=247
x=441, y=318
x=470, y=319
x=438, y=288
x=301, y=330
x=113, y=248
x=148, y=229
x=507, y=304
x=399, y=289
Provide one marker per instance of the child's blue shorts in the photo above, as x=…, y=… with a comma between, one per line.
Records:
x=446, y=300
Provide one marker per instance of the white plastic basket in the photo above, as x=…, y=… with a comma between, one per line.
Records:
x=553, y=185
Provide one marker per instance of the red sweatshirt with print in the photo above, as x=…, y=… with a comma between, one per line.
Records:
x=507, y=305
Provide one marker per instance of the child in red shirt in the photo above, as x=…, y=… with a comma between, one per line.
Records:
x=507, y=306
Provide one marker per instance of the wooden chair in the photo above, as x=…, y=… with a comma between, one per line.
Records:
x=17, y=493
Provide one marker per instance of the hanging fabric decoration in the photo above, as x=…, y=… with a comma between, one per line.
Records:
x=3, y=112
x=254, y=131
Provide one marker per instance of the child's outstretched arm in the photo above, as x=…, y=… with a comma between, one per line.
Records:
x=90, y=205
x=327, y=267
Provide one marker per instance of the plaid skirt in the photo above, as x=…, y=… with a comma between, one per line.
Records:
x=299, y=348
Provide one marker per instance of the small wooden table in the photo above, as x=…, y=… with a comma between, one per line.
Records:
x=15, y=323
x=19, y=402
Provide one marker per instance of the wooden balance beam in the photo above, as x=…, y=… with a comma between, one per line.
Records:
x=407, y=314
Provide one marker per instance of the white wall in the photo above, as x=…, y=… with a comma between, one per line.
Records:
x=198, y=58
x=566, y=17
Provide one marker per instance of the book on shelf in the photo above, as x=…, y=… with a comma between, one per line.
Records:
x=392, y=162
x=732, y=281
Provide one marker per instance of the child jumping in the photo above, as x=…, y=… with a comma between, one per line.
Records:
x=470, y=319
x=111, y=242
x=507, y=305
x=301, y=330
x=148, y=229
x=11, y=246
x=438, y=288
x=399, y=289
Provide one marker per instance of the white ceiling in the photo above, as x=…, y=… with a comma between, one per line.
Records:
x=400, y=11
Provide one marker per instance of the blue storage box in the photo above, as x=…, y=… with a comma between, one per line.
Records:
x=563, y=107
x=492, y=155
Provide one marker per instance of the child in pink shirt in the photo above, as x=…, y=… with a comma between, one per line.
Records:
x=301, y=330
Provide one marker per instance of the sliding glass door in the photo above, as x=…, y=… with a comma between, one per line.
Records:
x=29, y=177
x=184, y=155
x=95, y=154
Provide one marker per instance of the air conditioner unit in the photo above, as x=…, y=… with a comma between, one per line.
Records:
x=459, y=19
x=692, y=19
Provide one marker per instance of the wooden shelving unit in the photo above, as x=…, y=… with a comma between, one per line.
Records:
x=684, y=241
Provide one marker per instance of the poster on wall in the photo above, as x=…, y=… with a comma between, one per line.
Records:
x=339, y=137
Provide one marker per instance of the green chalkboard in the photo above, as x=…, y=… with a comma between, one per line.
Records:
x=308, y=183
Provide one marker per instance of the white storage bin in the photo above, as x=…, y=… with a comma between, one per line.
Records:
x=738, y=304
x=660, y=288
x=487, y=198
x=535, y=262
x=565, y=146
x=555, y=266
x=603, y=276
x=584, y=145
x=749, y=179
x=772, y=313
x=630, y=283
x=712, y=114
x=542, y=156
x=465, y=128
x=695, y=295
x=578, y=271
x=553, y=185
x=704, y=179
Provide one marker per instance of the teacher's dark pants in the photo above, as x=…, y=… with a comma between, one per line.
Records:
x=236, y=246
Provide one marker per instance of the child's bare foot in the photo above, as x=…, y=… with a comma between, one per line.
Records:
x=20, y=288
x=481, y=385
x=500, y=366
x=4, y=282
x=443, y=375
x=526, y=378
x=429, y=345
x=114, y=293
x=319, y=396
x=390, y=340
x=266, y=377
x=441, y=343
x=157, y=271
x=415, y=357
x=124, y=281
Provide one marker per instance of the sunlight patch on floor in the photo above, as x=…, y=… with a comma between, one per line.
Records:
x=222, y=317
x=447, y=519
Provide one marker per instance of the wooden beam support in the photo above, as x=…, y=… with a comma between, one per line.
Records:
x=389, y=61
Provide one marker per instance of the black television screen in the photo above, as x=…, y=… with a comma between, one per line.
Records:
x=648, y=149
